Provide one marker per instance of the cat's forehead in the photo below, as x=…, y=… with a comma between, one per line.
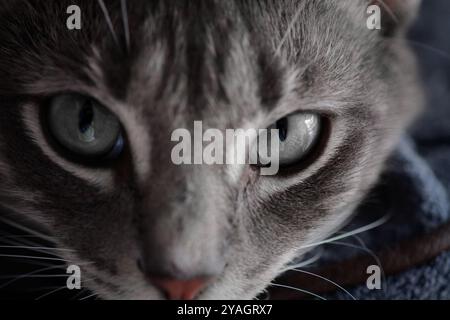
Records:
x=201, y=64
x=212, y=59
x=202, y=60
x=208, y=57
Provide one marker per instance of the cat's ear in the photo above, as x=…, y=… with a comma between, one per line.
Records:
x=397, y=15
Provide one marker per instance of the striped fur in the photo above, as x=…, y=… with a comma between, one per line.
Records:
x=230, y=64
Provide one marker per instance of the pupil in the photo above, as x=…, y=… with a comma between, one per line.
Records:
x=85, y=118
x=282, y=126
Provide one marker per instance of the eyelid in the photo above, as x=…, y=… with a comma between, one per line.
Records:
x=274, y=117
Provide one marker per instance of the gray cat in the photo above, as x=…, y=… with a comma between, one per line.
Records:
x=87, y=117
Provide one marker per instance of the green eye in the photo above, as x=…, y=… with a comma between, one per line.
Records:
x=298, y=135
x=84, y=128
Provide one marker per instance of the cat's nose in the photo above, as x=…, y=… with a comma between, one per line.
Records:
x=179, y=282
x=175, y=289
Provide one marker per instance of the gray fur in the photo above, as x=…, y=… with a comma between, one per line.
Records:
x=216, y=61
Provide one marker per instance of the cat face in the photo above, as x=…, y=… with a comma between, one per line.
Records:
x=148, y=227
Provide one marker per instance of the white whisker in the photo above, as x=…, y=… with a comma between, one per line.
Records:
x=290, y=26
x=89, y=296
x=41, y=289
x=363, y=229
x=18, y=236
x=37, y=263
x=28, y=230
x=37, y=276
x=29, y=245
x=23, y=276
x=297, y=289
x=82, y=291
x=37, y=248
x=51, y=292
x=362, y=248
x=108, y=21
x=126, y=26
x=59, y=289
x=30, y=257
x=327, y=280
x=437, y=51
x=304, y=263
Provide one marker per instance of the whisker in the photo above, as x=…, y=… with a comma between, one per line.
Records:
x=325, y=279
x=363, y=229
x=51, y=292
x=442, y=53
x=30, y=257
x=18, y=236
x=38, y=276
x=37, y=248
x=83, y=290
x=126, y=26
x=365, y=249
x=297, y=289
x=59, y=289
x=89, y=296
x=290, y=27
x=28, y=245
x=369, y=251
x=42, y=288
x=26, y=229
x=305, y=263
x=20, y=242
x=108, y=21
x=23, y=276
x=37, y=263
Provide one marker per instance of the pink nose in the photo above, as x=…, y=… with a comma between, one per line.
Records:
x=180, y=289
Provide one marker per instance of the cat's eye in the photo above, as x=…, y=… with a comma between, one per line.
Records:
x=84, y=127
x=298, y=135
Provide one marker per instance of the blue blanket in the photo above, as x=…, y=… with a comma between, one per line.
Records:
x=415, y=188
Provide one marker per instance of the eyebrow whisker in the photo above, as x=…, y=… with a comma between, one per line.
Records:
x=290, y=27
x=126, y=26
x=108, y=21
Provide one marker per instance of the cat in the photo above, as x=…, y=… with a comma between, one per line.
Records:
x=142, y=227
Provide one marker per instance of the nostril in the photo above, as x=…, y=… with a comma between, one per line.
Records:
x=175, y=289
